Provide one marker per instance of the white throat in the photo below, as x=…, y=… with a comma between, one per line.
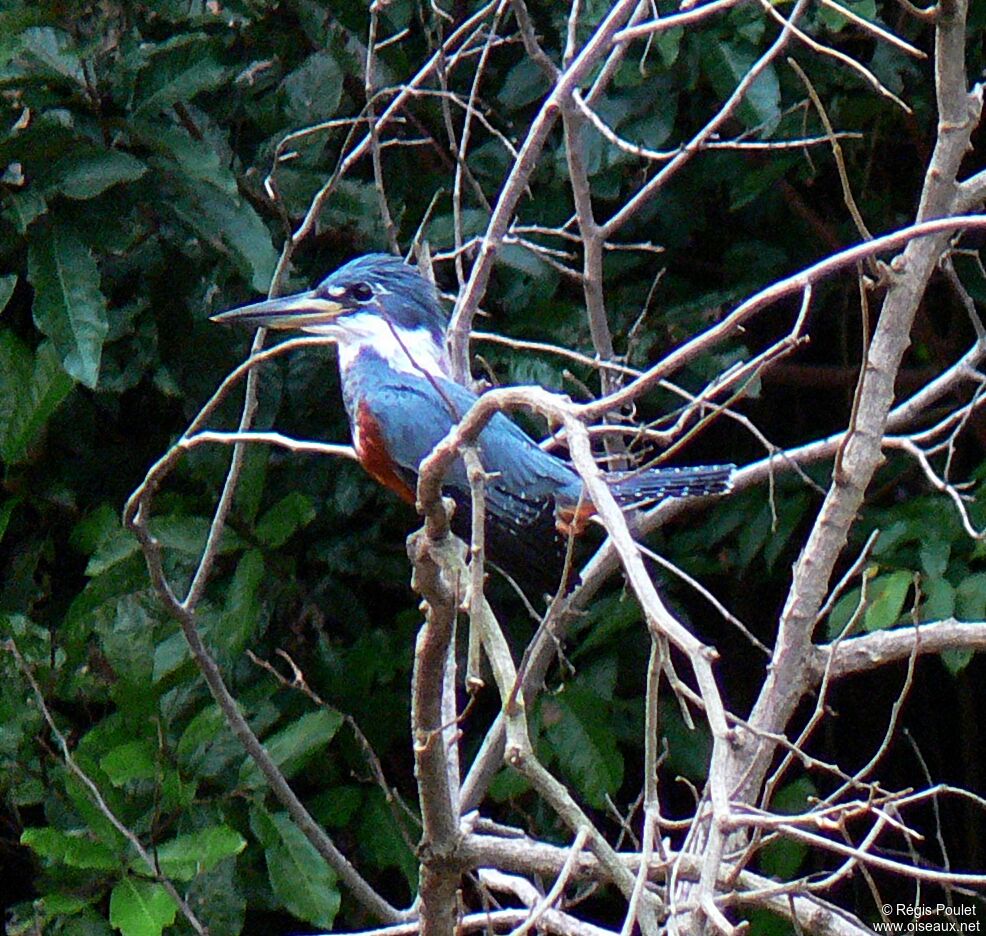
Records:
x=410, y=352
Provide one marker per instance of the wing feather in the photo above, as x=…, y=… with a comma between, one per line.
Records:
x=413, y=416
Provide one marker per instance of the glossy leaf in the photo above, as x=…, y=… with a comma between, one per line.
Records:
x=229, y=225
x=313, y=90
x=280, y=522
x=135, y=760
x=176, y=74
x=141, y=908
x=292, y=747
x=7, y=284
x=730, y=64
x=578, y=727
x=25, y=208
x=886, y=600
x=301, y=880
x=68, y=305
x=836, y=21
x=970, y=598
x=939, y=599
x=185, y=856
x=76, y=851
x=240, y=616
x=83, y=175
x=51, y=52
x=196, y=158
x=32, y=387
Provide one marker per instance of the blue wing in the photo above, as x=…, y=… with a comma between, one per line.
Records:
x=411, y=415
x=414, y=414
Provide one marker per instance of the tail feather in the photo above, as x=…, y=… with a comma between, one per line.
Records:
x=656, y=484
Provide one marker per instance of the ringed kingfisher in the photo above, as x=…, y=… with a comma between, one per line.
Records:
x=401, y=400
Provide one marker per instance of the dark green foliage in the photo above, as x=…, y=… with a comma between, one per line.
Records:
x=134, y=143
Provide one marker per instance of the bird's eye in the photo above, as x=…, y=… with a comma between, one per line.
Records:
x=361, y=292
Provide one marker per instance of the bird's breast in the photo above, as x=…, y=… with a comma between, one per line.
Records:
x=371, y=449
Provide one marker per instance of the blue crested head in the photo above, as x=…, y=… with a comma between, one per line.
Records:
x=374, y=304
x=400, y=293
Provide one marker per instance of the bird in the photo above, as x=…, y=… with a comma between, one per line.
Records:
x=401, y=400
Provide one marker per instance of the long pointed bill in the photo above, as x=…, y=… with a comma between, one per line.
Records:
x=288, y=312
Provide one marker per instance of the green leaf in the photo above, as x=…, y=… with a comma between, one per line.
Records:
x=222, y=896
x=93, y=528
x=32, y=387
x=126, y=637
x=939, y=599
x=84, y=174
x=178, y=73
x=605, y=621
x=689, y=748
x=186, y=856
x=790, y=512
x=508, y=785
x=292, y=747
x=188, y=534
x=842, y=612
x=284, y=519
x=313, y=90
x=754, y=536
x=302, y=881
x=7, y=284
x=7, y=509
x=242, y=611
x=900, y=531
x=668, y=42
x=53, y=51
x=525, y=82
x=887, y=594
x=135, y=760
x=956, y=660
x=835, y=21
x=522, y=259
x=250, y=490
x=338, y=806
x=934, y=557
x=141, y=908
x=970, y=598
x=26, y=208
x=380, y=841
x=207, y=746
x=783, y=857
x=101, y=594
x=170, y=654
x=579, y=729
x=63, y=904
x=68, y=305
x=229, y=225
x=729, y=64
x=118, y=545
x=198, y=159
x=74, y=850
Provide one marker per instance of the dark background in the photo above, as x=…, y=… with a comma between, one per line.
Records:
x=136, y=137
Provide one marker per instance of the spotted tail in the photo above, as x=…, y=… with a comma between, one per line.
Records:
x=655, y=484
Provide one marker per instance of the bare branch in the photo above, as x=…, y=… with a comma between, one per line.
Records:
x=516, y=181
x=784, y=685
x=868, y=652
x=918, y=232
x=436, y=565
